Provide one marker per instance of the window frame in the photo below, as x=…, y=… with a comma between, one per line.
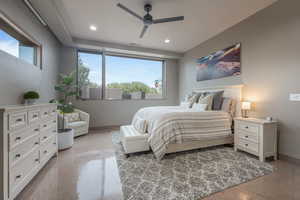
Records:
x=103, y=66
x=38, y=50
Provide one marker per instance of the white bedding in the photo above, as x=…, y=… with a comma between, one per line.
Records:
x=175, y=124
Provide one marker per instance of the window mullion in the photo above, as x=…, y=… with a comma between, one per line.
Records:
x=103, y=76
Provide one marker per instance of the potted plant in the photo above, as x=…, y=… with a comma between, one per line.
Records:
x=67, y=88
x=30, y=97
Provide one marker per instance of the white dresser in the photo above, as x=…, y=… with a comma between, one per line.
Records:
x=29, y=140
x=256, y=136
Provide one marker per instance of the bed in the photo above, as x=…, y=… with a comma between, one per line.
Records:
x=170, y=129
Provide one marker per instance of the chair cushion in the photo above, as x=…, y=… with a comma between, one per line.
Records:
x=77, y=124
x=73, y=117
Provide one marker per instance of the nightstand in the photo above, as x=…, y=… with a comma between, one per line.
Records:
x=256, y=136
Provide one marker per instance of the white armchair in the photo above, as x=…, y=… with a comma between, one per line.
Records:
x=78, y=120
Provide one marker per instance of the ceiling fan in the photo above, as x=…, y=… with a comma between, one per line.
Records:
x=148, y=19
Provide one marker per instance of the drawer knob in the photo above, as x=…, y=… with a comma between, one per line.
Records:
x=45, y=151
x=34, y=116
x=54, y=131
x=45, y=137
x=246, y=136
x=45, y=113
x=36, y=143
x=18, y=176
x=247, y=127
x=19, y=120
x=37, y=160
x=54, y=143
x=45, y=125
x=18, y=155
x=246, y=145
x=18, y=138
x=36, y=130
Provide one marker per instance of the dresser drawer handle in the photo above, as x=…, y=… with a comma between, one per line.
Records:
x=54, y=131
x=37, y=160
x=34, y=116
x=44, y=137
x=54, y=143
x=246, y=145
x=54, y=121
x=45, y=126
x=18, y=138
x=19, y=176
x=19, y=120
x=246, y=127
x=45, y=151
x=246, y=136
x=18, y=155
x=36, y=130
x=36, y=143
x=45, y=113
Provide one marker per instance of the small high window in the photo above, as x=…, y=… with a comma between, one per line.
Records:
x=17, y=43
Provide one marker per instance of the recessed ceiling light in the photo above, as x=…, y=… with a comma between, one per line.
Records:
x=93, y=28
x=167, y=40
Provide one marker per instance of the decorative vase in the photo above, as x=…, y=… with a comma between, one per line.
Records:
x=65, y=139
x=30, y=101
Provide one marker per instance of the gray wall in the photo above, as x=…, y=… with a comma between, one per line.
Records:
x=270, y=67
x=17, y=76
x=120, y=112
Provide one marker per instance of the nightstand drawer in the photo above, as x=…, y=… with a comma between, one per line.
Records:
x=252, y=137
x=247, y=145
x=249, y=127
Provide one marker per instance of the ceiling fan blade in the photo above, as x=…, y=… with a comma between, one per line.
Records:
x=171, y=19
x=129, y=11
x=143, y=31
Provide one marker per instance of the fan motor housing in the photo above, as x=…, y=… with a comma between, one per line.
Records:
x=148, y=20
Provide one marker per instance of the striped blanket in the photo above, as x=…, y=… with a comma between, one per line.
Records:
x=175, y=124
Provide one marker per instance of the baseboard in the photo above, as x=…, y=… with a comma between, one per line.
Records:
x=101, y=128
x=289, y=159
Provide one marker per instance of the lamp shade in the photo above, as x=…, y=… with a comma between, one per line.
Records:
x=246, y=105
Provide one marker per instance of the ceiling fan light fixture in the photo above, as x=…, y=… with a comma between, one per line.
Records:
x=93, y=27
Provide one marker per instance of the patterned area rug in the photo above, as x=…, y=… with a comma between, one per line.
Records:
x=189, y=175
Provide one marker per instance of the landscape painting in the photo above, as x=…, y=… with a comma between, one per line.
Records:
x=224, y=63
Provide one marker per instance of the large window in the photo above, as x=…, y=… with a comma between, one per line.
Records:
x=123, y=77
x=17, y=43
x=89, y=75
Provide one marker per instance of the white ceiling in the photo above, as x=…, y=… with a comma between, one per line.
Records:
x=203, y=20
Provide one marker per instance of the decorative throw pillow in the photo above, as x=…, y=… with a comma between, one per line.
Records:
x=229, y=105
x=217, y=100
x=193, y=98
x=208, y=99
x=199, y=107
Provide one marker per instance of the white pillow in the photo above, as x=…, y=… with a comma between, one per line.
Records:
x=199, y=107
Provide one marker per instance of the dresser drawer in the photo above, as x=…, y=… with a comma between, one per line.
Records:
x=22, y=150
x=18, y=137
x=46, y=134
x=33, y=116
x=48, y=148
x=248, y=145
x=19, y=172
x=53, y=111
x=17, y=120
x=45, y=112
x=249, y=127
x=252, y=137
x=49, y=123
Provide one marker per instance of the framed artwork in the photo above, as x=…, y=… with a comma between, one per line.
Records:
x=223, y=63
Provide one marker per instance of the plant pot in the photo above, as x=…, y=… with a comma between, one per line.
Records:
x=29, y=101
x=65, y=139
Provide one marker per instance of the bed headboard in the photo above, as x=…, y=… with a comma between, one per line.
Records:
x=232, y=91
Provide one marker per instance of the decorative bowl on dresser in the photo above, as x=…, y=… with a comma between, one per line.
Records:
x=29, y=140
x=256, y=136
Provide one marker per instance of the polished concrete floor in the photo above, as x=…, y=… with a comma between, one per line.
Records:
x=88, y=171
